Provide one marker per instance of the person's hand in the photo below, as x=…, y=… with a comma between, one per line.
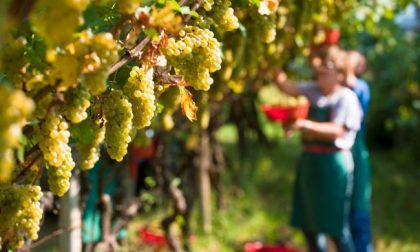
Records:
x=299, y=124
x=291, y=126
x=288, y=128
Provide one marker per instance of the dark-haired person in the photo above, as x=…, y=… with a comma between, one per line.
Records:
x=324, y=176
x=360, y=202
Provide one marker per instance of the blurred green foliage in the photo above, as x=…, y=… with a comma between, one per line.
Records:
x=393, y=71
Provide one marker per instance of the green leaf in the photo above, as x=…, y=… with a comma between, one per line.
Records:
x=82, y=132
x=256, y=2
x=194, y=14
x=151, y=32
x=175, y=5
x=23, y=141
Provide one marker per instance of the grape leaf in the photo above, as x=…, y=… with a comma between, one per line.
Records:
x=189, y=109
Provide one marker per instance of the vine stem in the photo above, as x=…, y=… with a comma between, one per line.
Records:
x=52, y=235
x=196, y=5
x=42, y=93
x=137, y=51
x=35, y=151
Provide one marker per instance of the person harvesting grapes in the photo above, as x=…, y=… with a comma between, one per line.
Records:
x=360, y=201
x=324, y=176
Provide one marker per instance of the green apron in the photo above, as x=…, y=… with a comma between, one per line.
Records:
x=322, y=188
x=360, y=200
x=91, y=230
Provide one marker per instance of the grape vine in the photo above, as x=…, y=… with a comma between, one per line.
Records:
x=101, y=82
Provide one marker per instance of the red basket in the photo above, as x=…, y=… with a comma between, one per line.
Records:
x=285, y=114
x=259, y=247
x=332, y=36
x=156, y=239
x=152, y=238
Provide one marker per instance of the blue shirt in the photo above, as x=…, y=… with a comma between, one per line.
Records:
x=362, y=91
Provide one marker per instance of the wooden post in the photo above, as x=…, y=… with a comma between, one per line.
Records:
x=71, y=218
x=204, y=182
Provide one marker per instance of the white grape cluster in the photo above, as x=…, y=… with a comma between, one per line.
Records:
x=66, y=70
x=89, y=153
x=77, y=103
x=140, y=90
x=265, y=27
x=90, y=55
x=195, y=55
x=118, y=114
x=41, y=109
x=223, y=15
x=102, y=53
x=12, y=59
x=208, y=4
x=23, y=213
x=15, y=107
x=53, y=141
x=56, y=21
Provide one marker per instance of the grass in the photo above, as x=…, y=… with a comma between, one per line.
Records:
x=259, y=207
x=258, y=193
x=396, y=202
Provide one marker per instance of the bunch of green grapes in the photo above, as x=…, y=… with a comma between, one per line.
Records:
x=223, y=15
x=42, y=106
x=195, y=55
x=140, y=90
x=66, y=70
x=208, y=4
x=35, y=80
x=118, y=113
x=12, y=59
x=77, y=103
x=265, y=26
x=96, y=83
x=261, y=30
x=20, y=213
x=89, y=153
x=15, y=107
x=7, y=165
x=56, y=21
x=53, y=141
x=91, y=55
x=103, y=51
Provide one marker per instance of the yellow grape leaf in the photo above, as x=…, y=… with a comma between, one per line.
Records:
x=189, y=109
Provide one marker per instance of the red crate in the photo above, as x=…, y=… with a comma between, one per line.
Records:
x=285, y=114
x=152, y=238
x=332, y=36
x=157, y=239
x=259, y=247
